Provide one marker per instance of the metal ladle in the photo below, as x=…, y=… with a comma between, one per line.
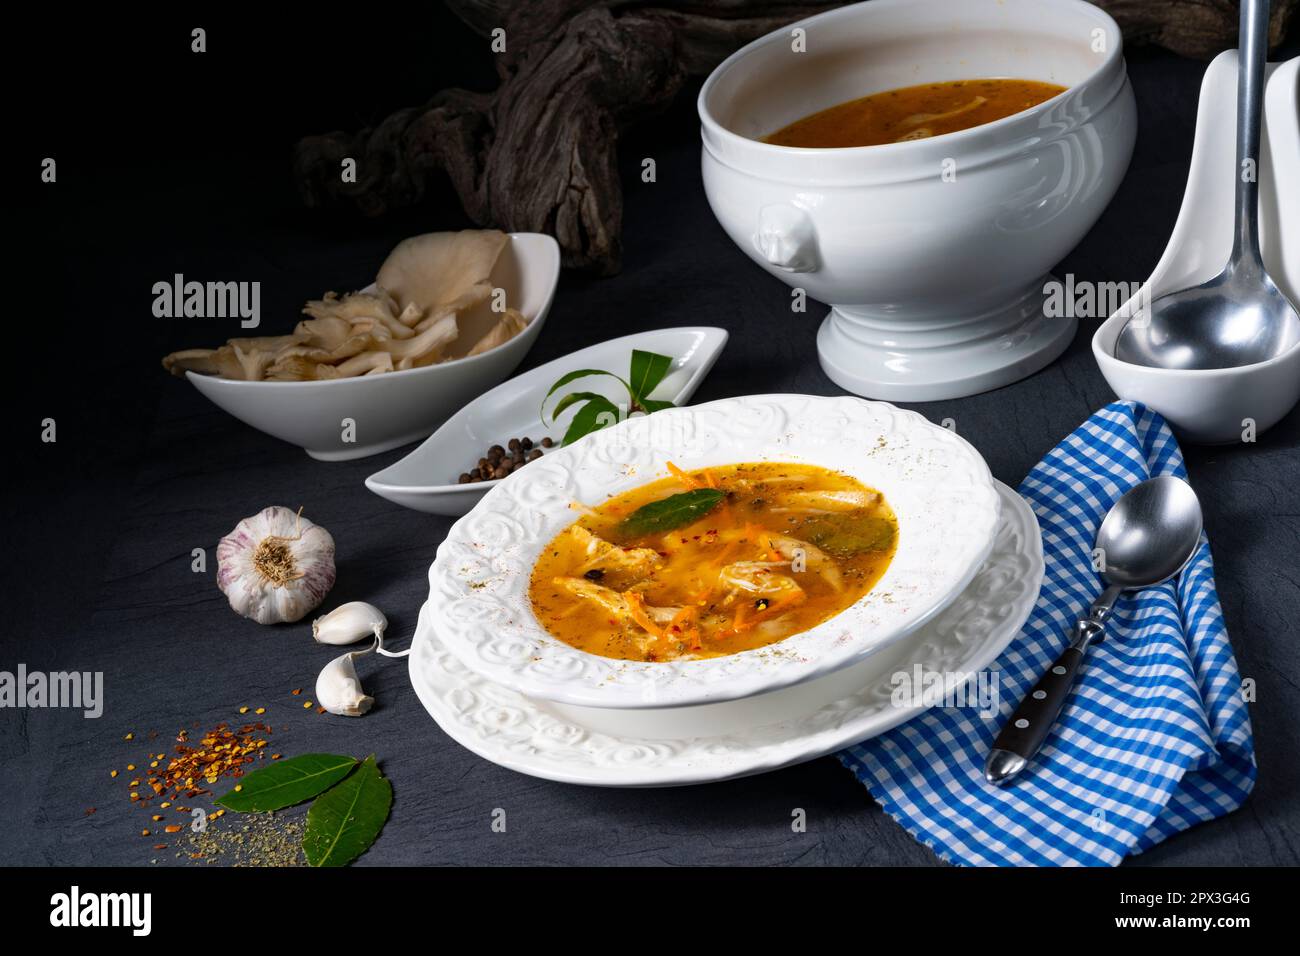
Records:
x=1239, y=317
x=1146, y=538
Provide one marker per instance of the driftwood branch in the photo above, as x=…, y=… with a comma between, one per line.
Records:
x=538, y=154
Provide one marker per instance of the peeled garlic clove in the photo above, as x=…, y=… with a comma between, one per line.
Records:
x=349, y=623
x=275, y=566
x=338, y=689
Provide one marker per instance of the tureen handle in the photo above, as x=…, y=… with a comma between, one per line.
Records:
x=786, y=238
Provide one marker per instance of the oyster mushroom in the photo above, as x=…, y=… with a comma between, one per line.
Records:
x=432, y=293
x=508, y=326
x=426, y=345
x=442, y=272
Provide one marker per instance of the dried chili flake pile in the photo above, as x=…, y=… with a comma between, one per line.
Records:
x=223, y=751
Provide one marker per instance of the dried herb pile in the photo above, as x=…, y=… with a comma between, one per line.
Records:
x=258, y=839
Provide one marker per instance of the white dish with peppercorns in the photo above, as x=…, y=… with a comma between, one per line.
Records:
x=502, y=430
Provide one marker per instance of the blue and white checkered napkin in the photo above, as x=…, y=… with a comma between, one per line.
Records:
x=1155, y=737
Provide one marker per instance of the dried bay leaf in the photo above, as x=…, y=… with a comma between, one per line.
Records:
x=286, y=782
x=345, y=820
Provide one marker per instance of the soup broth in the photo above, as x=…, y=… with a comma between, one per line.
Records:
x=914, y=112
x=713, y=562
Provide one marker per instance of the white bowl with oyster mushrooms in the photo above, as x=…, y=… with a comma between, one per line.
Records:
x=446, y=320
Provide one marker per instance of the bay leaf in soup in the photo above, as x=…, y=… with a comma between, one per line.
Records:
x=671, y=512
x=854, y=532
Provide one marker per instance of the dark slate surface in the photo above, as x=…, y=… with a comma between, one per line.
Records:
x=100, y=526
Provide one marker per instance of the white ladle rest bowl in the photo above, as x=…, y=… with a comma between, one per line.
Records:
x=934, y=252
x=1220, y=406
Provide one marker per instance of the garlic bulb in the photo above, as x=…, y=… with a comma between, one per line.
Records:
x=275, y=566
x=338, y=689
x=349, y=623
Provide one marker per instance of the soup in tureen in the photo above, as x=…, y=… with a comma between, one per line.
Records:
x=914, y=112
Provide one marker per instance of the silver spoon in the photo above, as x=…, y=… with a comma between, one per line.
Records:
x=1239, y=317
x=1146, y=538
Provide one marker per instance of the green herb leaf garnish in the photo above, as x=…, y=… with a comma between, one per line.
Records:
x=286, y=782
x=671, y=512
x=648, y=369
x=598, y=413
x=568, y=377
x=574, y=397
x=345, y=820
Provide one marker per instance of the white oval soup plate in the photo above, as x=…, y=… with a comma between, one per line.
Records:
x=939, y=488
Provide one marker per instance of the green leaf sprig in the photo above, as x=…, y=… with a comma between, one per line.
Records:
x=647, y=371
x=352, y=802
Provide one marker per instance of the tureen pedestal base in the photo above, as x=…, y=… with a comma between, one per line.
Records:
x=903, y=357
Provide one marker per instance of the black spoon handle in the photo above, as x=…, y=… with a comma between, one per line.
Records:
x=1023, y=734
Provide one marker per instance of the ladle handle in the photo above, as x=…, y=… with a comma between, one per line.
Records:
x=1252, y=45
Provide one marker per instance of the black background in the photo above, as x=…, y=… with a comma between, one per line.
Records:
x=170, y=162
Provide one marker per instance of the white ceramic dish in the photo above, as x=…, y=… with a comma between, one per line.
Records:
x=1213, y=406
x=721, y=741
x=424, y=479
x=936, y=280
x=938, y=485
x=397, y=407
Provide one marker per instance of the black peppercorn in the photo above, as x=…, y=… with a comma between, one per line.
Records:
x=499, y=462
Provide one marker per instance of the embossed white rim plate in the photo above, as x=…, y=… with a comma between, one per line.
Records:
x=533, y=737
x=938, y=485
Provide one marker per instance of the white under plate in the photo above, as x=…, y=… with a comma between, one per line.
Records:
x=533, y=737
x=426, y=478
